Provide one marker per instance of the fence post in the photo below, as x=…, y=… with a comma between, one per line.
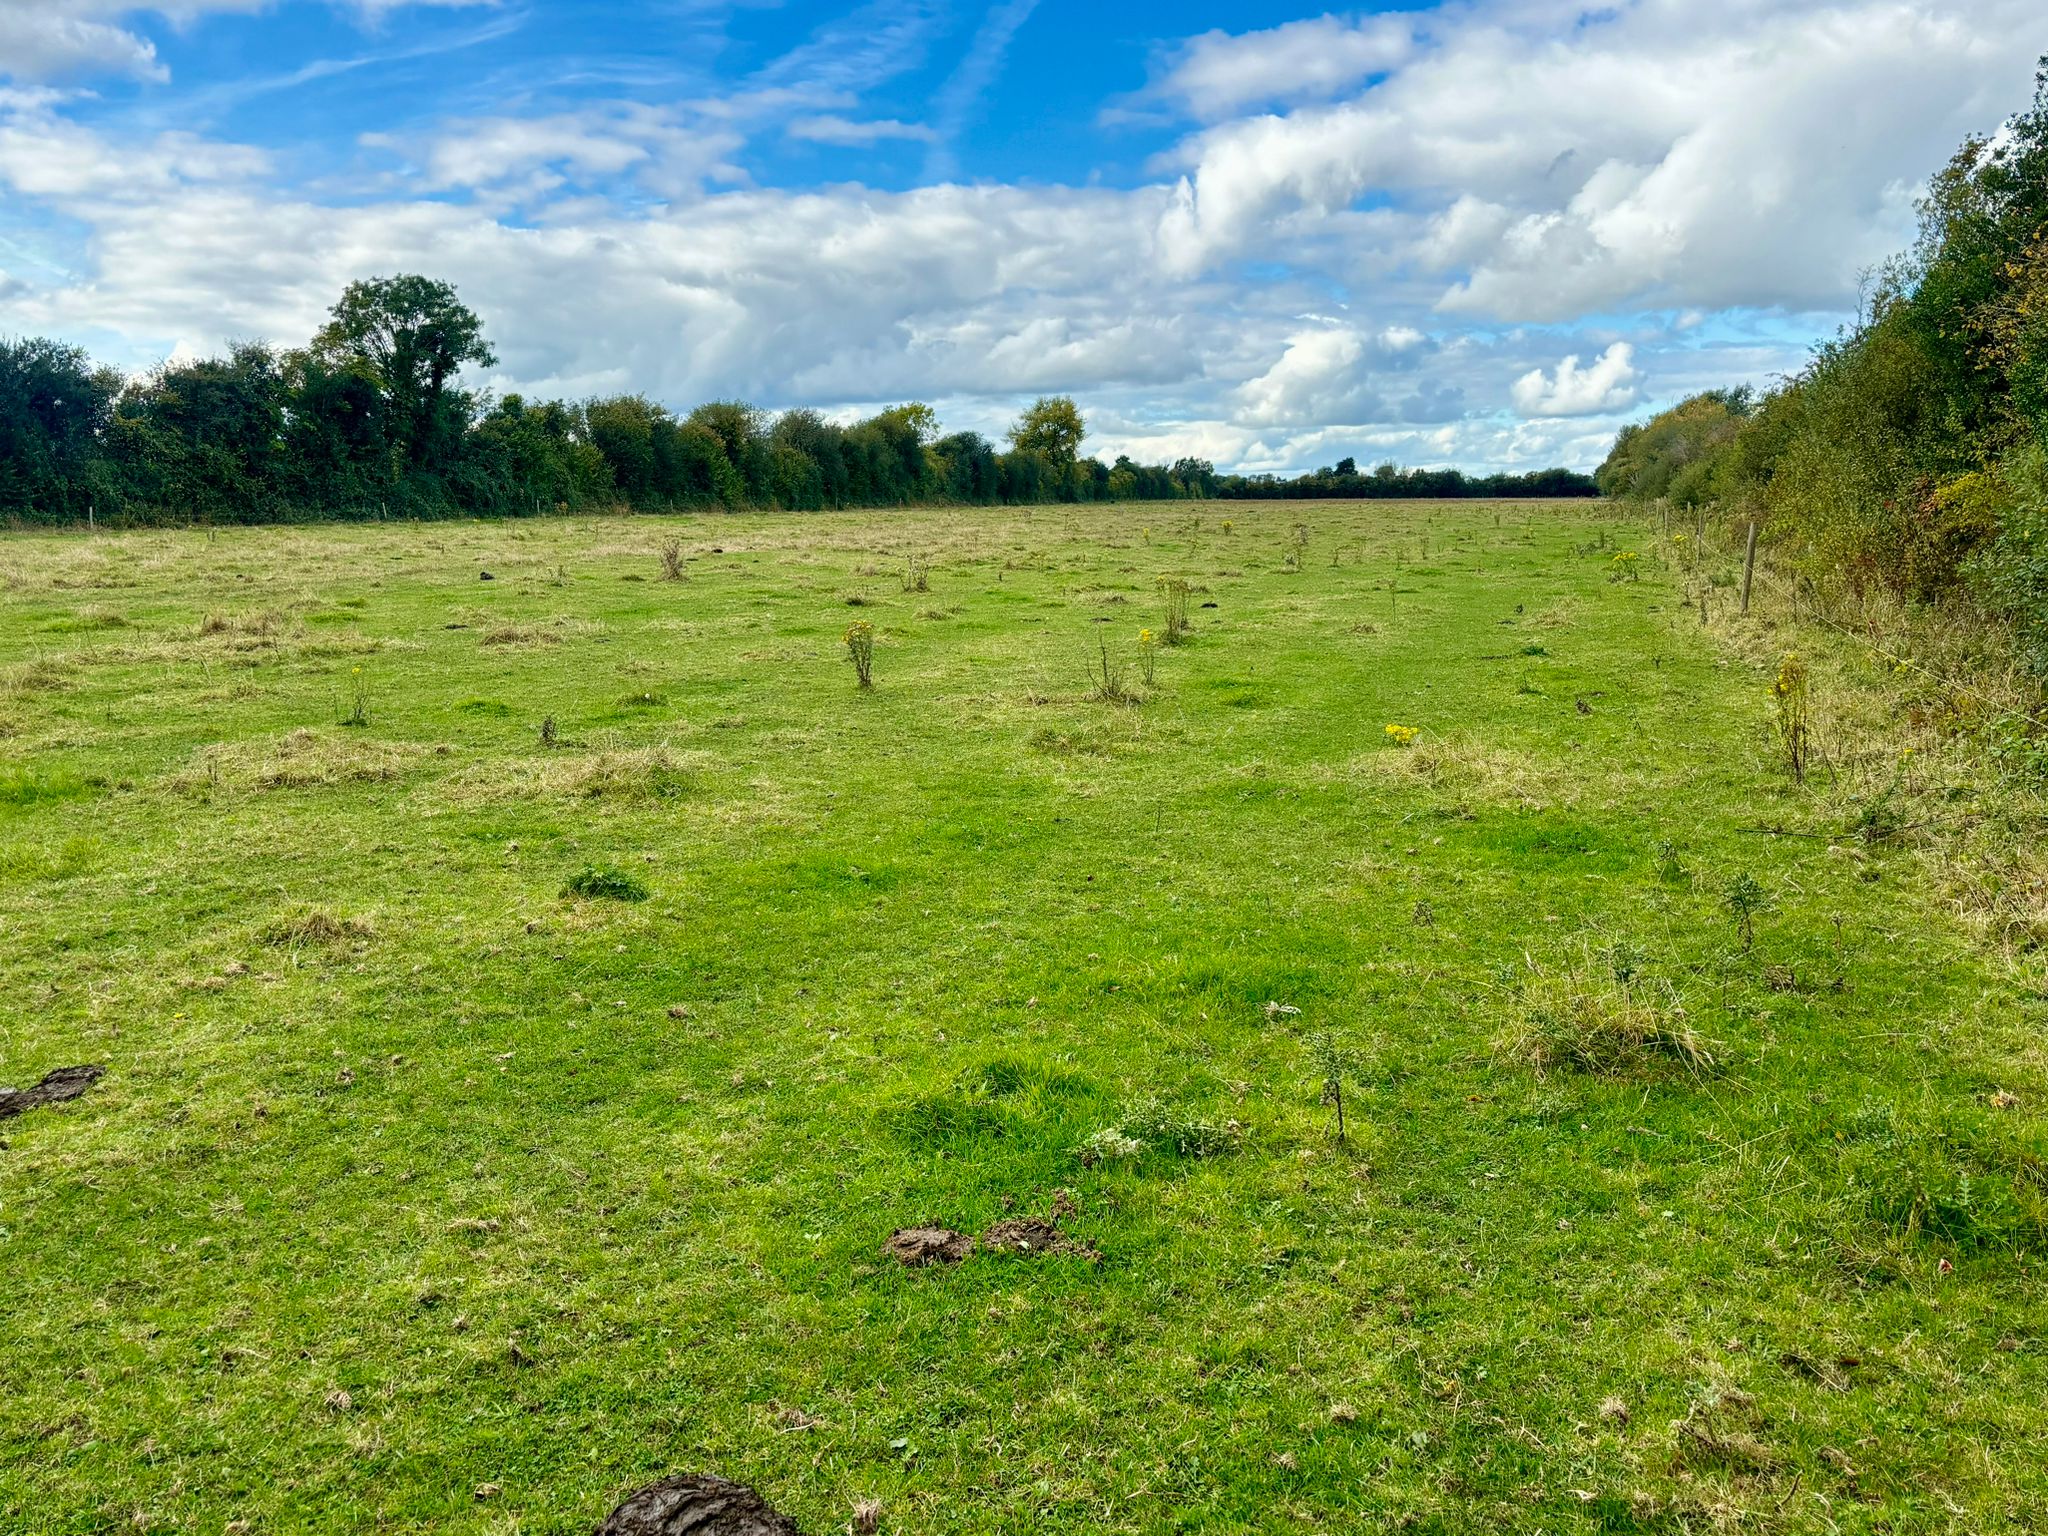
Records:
x=1748, y=565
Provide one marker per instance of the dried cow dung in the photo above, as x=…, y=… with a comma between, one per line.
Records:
x=1033, y=1234
x=55, y=1088
x=916, y=1246
x=693, y=1505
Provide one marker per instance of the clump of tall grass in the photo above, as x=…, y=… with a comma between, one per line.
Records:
x=1586, y=1017
x=1177, y=592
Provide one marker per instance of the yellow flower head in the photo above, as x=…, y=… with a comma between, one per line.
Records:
x=1403, y=735
x=1144, y=637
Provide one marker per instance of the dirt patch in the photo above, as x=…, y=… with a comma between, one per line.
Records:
x=915, y=1247
x=1040, y=1234
x=1034, y=1235
x=693, y=1505
x=55, y=1088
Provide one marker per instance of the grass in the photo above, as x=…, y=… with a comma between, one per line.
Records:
x=425, y=1193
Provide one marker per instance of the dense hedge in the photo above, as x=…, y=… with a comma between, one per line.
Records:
x=1911, y=453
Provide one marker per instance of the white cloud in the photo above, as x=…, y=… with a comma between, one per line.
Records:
x=1659, y=153
x=541, y=154
x=829, y=129
x=1218, y=73
x=1607, y=387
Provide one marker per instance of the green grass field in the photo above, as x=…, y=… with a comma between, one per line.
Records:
x=422, y=1194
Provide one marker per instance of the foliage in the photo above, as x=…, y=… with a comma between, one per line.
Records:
x=370, y=420
x=1051, y=427
x=1905, y=456
x=1388, y=482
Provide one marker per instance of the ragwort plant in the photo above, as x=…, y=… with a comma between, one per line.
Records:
x=1791, y=693
x=860, y=650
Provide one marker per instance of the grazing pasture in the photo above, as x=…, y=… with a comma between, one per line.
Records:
x=530, y=1005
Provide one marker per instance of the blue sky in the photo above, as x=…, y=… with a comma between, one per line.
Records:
x=1481, y=233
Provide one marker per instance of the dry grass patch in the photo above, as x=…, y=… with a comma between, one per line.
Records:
x=301, y=759
x=607, y=773
x=546, y=632
x=314, y=927
x=1474, y=771
x=40, y=675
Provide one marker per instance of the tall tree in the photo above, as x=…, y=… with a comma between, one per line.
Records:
x=410, y=335
x=1051, y=426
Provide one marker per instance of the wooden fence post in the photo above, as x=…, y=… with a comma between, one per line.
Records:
x=1748, y=565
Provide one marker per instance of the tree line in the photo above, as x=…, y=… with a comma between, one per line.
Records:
x=1342, y=481
x=1910, y=454
x=370, y=419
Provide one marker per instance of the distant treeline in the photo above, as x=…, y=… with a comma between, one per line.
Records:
x=1910, y=455
x=369, y=420
x=1343, y=481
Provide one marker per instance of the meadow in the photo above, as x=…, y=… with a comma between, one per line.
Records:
x=530, y=1004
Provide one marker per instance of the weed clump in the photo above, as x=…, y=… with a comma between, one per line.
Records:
x=1177, y=593
x=1109, y=1145
x=860, y=650
x=1790, y=693
x=601, y=882
x=1152, y=1123
x=1587, y=1018
x=1110, y=687
x=1951, y=1183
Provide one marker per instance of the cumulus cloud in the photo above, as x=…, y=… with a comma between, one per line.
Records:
x=1603, y=389
x=1662, y=152
x=1220, y=73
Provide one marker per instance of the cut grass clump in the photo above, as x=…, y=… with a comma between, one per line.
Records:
x=1473, y=770
x=1586, y=1019
x=315, y=928
x=622, y=773
x=602, y=882
x=301, y=759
